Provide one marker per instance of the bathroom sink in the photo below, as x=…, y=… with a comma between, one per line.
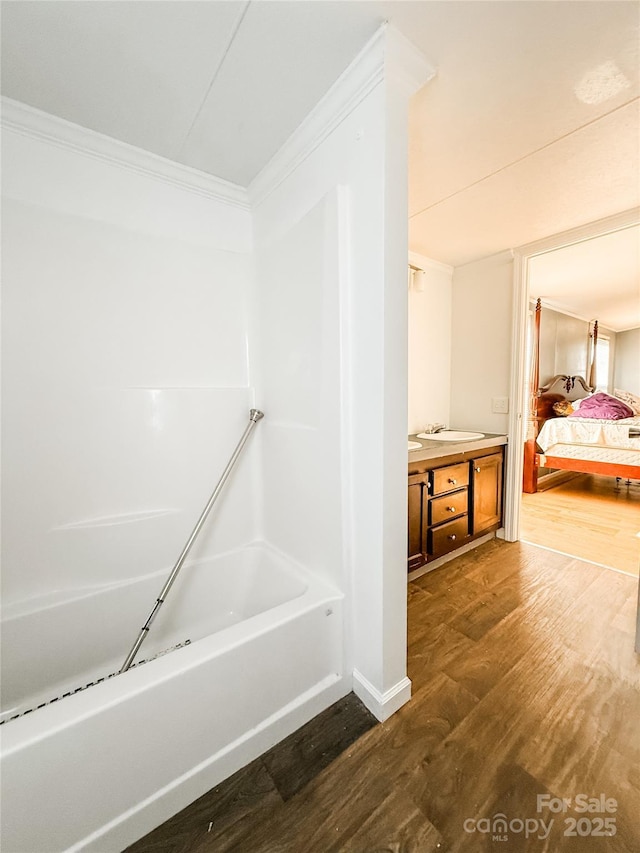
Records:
x=414, y=445
x=450, y=435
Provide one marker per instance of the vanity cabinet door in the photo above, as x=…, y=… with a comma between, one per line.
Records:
x=418, y=503
x=487, y=492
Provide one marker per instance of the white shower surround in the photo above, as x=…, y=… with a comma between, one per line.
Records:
x=146, y=743
x=139, y=219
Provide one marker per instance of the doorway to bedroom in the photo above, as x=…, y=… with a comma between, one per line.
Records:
x=576, y=485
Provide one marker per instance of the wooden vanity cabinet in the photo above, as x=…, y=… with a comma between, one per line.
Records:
x=487, y=492
x=453, y=500
x=418, y=508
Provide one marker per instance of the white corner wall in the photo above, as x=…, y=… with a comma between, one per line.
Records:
x=330, y=230
x=296, y=343
x=481, y=331
x=125, y=380
x=430, y=346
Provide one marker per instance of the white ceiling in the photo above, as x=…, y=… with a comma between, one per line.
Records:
x=521, y=134
x=217, y=85
x=578, y=279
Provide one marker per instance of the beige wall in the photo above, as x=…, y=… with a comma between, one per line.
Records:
x=481, y=342
x=430, y=346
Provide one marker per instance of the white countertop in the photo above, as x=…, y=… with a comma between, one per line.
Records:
x=434, y=449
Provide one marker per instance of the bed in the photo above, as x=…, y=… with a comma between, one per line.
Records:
x=583, y=445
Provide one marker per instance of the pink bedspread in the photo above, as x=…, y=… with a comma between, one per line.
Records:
x=602, y=406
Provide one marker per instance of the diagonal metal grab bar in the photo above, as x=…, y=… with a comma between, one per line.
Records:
x=254, y=417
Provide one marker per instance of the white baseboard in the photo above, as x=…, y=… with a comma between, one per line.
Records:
x=137, y=822
x=381, y=705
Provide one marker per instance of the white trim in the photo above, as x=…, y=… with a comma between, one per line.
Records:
x=500, y=258
x=381, y=705
x=408, y=63
x=424, y=262
x=347, y=395
x=520, y=294
x=364, y=74
x=579, y=559
x=28, y=121
x=609, y=225
x=353, y=85
x=515, y=467
x=554, y=306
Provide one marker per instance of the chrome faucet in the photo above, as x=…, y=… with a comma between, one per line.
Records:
x=431, y=429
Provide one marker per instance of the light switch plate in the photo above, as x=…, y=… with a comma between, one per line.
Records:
x=500, y=405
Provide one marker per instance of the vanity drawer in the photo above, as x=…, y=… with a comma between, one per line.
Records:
x=448, y=506
x=451, y=477
x=448, y=536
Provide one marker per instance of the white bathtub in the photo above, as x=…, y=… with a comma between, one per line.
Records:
x=97, y=770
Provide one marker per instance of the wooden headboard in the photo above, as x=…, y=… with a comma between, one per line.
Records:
x=561, y=387
x=570, y=387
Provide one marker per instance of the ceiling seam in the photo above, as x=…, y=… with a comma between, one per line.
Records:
x=524, y=157
x=214, y=76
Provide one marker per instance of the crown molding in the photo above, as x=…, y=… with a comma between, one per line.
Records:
x=406, y=62
x=31, y=122
x=608, y=225
x=350, y=89
x=427, y=263
x=387, y=52
x=499, y=259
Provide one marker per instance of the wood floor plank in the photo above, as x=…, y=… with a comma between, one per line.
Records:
x=298, y=758
x=487, y=610
x=425, y=660
x=588, y=517
x=395, y=825
x=224, y=811
x=525, y=683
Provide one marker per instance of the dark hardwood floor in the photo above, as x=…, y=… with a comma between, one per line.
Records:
x=525, y=685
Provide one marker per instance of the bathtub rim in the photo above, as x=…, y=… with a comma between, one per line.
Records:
x=44, y=722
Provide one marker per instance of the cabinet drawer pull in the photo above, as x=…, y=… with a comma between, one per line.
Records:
x=451, y=536
x=453, y=482
x=451, y=509
x=477, y=470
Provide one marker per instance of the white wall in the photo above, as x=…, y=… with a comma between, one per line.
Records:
x=430, y=346
x=481, y=348
x=125, y=384
x=331, y=242
x=297, y=375
x=627, y=361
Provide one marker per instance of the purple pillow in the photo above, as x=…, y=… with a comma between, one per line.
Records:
x=603, y=406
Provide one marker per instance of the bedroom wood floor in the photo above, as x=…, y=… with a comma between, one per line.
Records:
x=525, y=683
x=588, y=518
